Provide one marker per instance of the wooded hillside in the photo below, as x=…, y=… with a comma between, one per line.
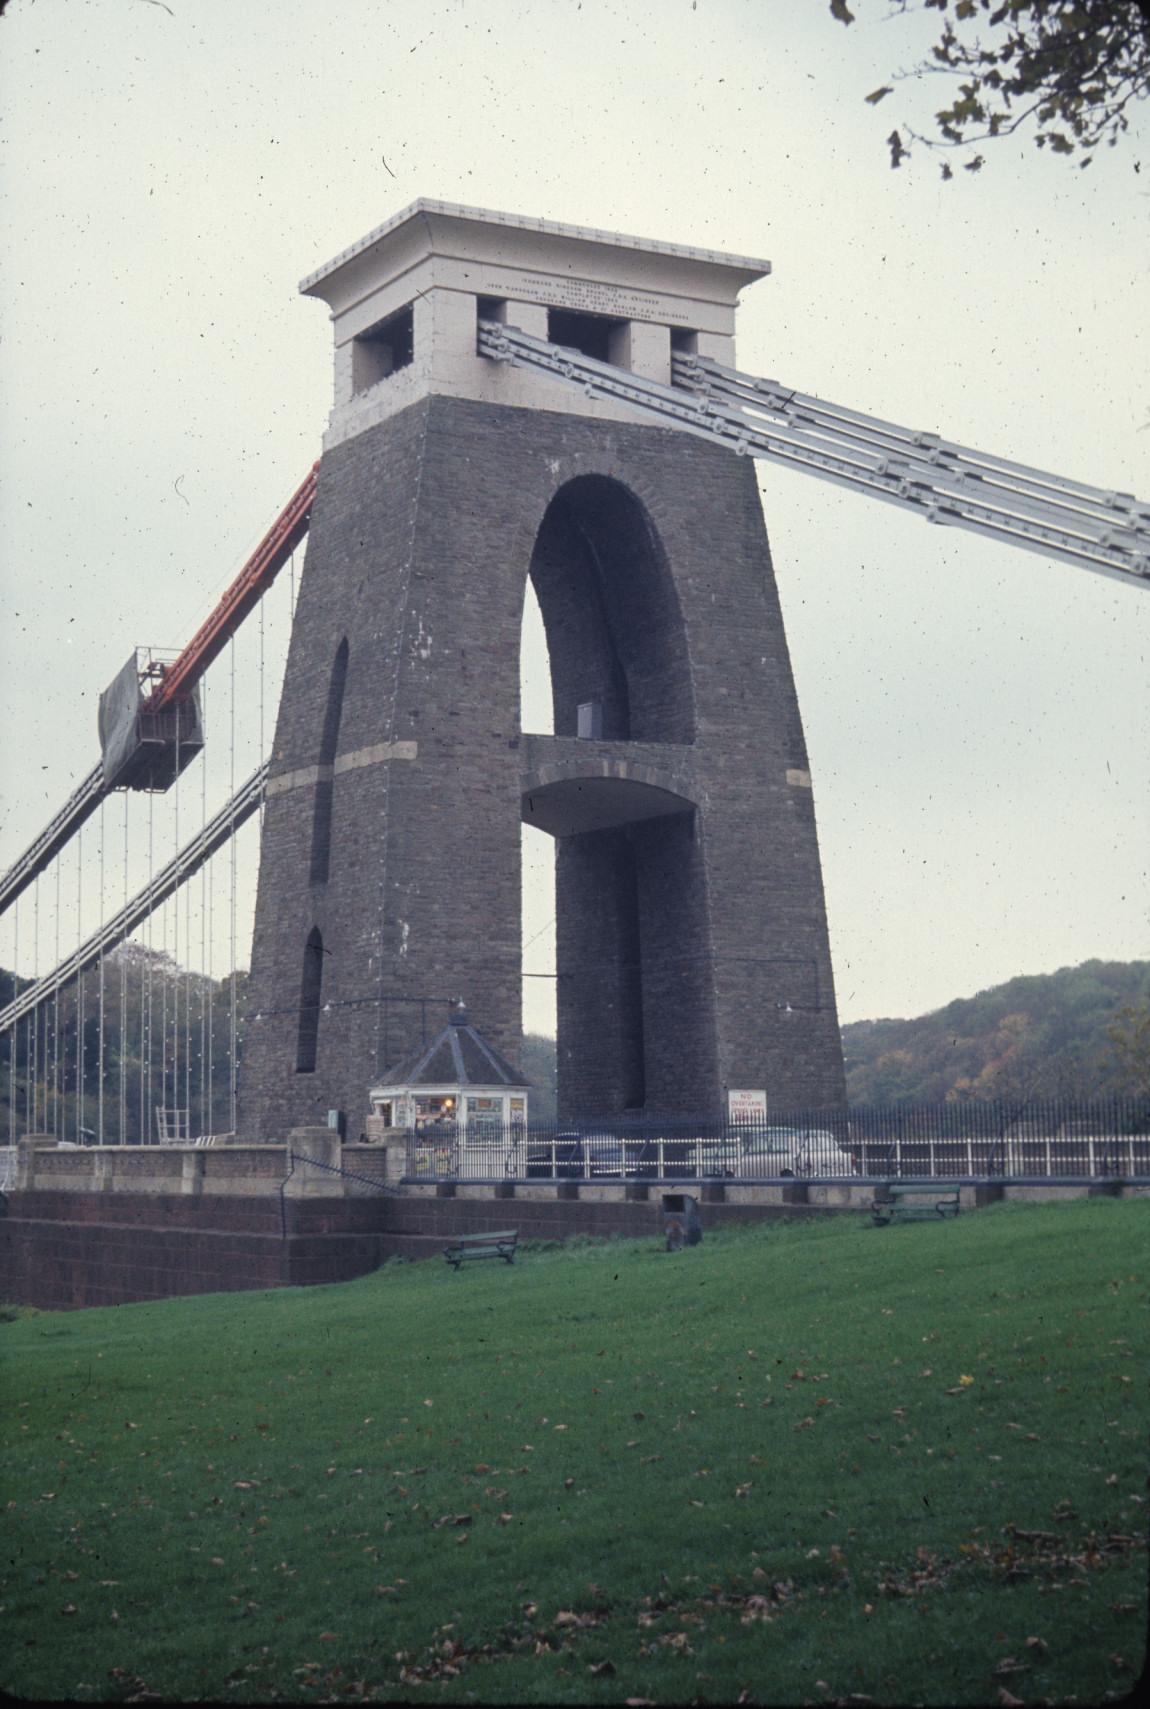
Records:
x=1080, y=1032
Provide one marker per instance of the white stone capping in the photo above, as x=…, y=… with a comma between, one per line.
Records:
x=522, y=222
x=383, y=293
x=442, y=257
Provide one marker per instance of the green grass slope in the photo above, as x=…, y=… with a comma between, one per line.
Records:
x=796, y=1463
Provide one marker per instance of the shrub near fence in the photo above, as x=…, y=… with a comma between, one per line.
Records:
x=1046, y=1139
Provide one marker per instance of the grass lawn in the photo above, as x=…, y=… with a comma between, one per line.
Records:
x=802, y=1462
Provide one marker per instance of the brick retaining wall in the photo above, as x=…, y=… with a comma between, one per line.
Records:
x=62, y=1250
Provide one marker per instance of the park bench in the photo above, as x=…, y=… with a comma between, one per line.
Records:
x=499, y=1245
x=914, y=1199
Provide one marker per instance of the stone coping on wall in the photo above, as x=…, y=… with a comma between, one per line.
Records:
x=314, y=1164
x=307, y=1164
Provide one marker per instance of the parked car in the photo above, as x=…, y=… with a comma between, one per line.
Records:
x=578, y=1156
x=792, y=1151
x=558, y=1157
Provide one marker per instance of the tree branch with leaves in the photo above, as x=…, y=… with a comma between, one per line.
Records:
x=1071, y=68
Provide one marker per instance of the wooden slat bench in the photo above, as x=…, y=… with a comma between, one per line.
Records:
x=499, y=1245
x=924, y=1198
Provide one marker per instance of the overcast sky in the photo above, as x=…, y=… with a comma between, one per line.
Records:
x=976, y=716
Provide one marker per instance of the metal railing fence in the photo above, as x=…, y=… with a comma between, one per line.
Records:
x=1043, y=1138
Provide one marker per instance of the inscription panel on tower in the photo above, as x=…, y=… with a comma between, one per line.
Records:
x=588, y=296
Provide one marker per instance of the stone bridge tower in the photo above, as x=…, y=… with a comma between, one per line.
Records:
x=691, y=932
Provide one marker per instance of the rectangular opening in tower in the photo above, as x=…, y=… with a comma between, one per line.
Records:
x=383, y=348
x=599, y=336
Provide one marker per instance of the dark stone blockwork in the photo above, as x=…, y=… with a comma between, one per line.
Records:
x=64, y=1251
x=692, y=945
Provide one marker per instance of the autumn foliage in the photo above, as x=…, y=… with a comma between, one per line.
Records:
x=1083, y=1032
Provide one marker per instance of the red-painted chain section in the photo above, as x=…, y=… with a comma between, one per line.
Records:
x=247, y=590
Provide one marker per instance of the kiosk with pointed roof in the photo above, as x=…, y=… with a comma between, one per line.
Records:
x=458, y=1085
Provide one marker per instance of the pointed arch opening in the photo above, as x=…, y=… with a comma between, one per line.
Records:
x=611, y=613
x=537, y=864
x=310, y=997
x=321, y=825
x=619, y=675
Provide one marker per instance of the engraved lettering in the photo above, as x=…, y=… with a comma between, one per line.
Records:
x=588, y=295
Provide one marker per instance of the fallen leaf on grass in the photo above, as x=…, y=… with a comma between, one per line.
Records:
x=602, y=1670
x=567, y=1617
x=1007, y=1699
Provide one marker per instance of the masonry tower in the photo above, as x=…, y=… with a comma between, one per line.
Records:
x=692, y=948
